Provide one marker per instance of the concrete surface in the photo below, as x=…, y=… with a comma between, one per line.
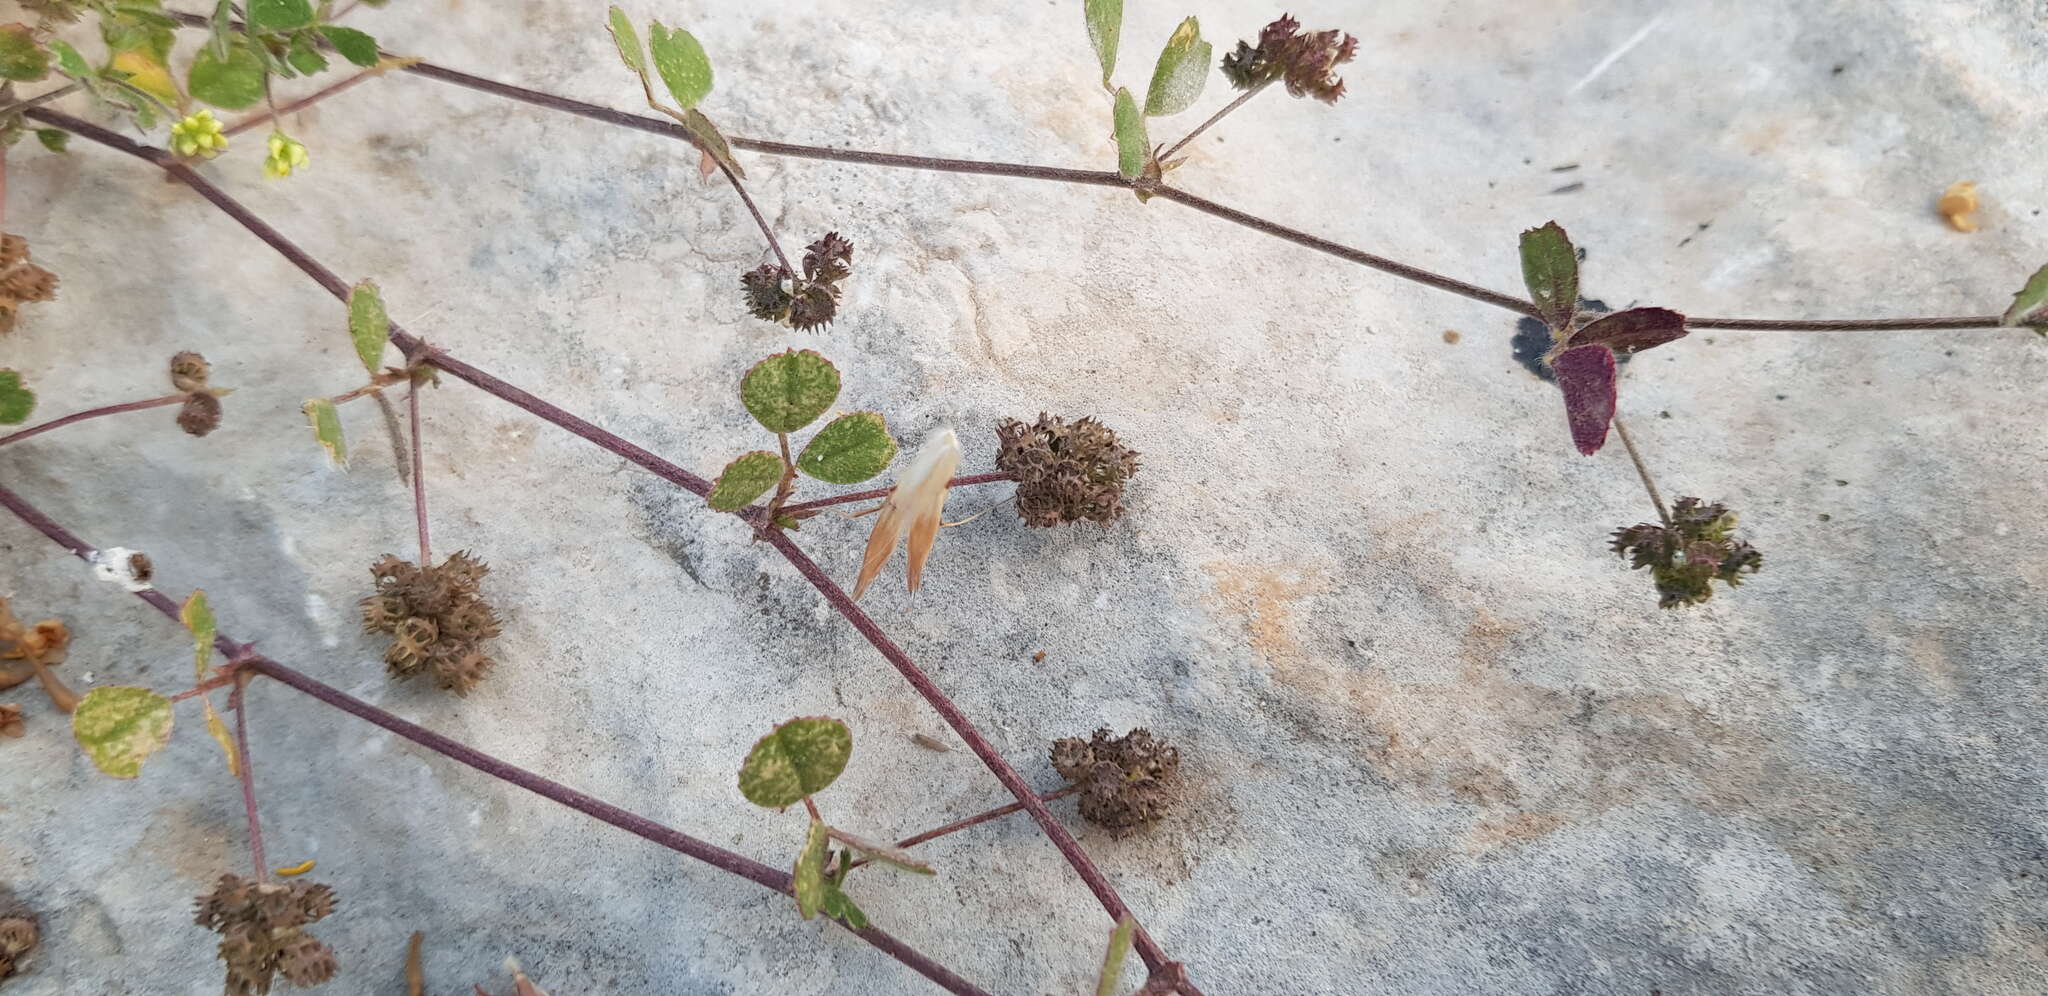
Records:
x=1439, y=740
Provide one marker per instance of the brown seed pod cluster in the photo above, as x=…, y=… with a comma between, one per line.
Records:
x=1307, y=62
x=1066, y=472
x=201, y=412
x=1125, y=781
x=18, y=936
x=436, y=617
x=262, y=932
x=809, y=302
x=20, y=280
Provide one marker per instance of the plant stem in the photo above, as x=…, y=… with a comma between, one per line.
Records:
x=1987, y=323
x=783, y=488
x=979, y=818
x=419, y=473
x=1213, y=118
x=675, y=840
x=766, y=232
x=203, y=687
x=239, y=704
x=270, y=117
x=38, y=100
x=58, y=423
x=804, y=506
x=1642, y=471
x=812, y=808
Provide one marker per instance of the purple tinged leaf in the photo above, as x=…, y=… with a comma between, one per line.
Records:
x=1633, y=330
x=1587, y=375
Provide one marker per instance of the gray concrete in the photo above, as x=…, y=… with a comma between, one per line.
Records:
x=1439, y=740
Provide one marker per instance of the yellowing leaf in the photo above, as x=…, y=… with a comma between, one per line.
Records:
x=326, y=423
x=120, y=727
x=219, y=730
x=198, y=618
x=147, y=74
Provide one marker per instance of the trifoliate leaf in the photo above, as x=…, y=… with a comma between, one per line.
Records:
x=798, y=758
x=120, y=727
x=233, y=83
x=1632, y=331
x=850, y=450
x=355, y=46
x=198, y=618
x=1105, y=23
x=368, y=326
x=807, y=879
x=1551, y=269
x=326, y=424
x=789, y=390
x=1182, y=70
x=1132, y=146
x=743, y=480
x=2030, y=305
x=21, y=59
x=681, y=61
x=1586, y=373
x=16, y=400
x=280, y=15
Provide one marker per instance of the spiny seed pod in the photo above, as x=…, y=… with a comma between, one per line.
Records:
x=200, y=414
x=437, y=619
x=1125, y=781
x=808, y=302
x=1687, y=557
x=260, y=924
x=1306, y=62
x=1065, y=472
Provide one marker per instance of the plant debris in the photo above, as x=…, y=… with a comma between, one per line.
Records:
x=21, y=281
x=1125, y=781
x=262, y=932
x=437, y=619
x=18, y=936
x=1065, y=472
x=1959, y=205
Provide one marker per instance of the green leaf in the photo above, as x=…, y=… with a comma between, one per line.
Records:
x=198, y=618
x=1551, y=269
x=684, y=67
x=70, y=63
x=219, y=731
x=232, y=83
x=326, y=424
x=744, y=480
x=1182, y=70
x=219, y=27
x=120, y=727
x=1105, y=23
x=807, y=880
x=1113, y=959
x=884, y=853
x=280, y=15
x=798, y=758
x=53, y=139
x=21, y=59
x=839, y=906
x=368, y=326
x=304, y=57
x=1132, y=147
x=850, y=450
x=789, y=390
x=711, y=140
x=2030, y=305
x=628, y=42
x=355, y=46
x=16, y=400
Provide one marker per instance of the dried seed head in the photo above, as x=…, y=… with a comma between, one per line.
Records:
x=18, y=934
x=437, y=619
x=1125, y=781
x=1307, y=63
x=1065, y=472
x=1697, y=549
x=808, y=302
x=767, y=297
x=200, y=414
x=261, y=932
x=189, y=371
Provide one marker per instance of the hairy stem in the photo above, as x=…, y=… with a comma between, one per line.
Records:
x=270, y=116
x=90, y=413
x=1642, y=470
x=804, y=506
x=238, y=702
x=1213, y=118
x=419, y=473
x=975, y=820
x=675, y=840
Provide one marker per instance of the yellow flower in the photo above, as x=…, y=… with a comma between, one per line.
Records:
x=198, y=135
x=919, y=497
x=286, y=154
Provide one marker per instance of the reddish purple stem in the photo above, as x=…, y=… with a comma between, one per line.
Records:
x=58, y=423
x=247, y=767
x=962, y=481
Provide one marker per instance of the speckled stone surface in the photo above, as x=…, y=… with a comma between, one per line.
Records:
x=1438, y=739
